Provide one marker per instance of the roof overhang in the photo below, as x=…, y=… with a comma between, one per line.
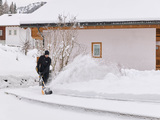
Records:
x=153, y=22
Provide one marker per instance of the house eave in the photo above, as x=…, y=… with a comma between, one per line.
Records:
x=115, y=23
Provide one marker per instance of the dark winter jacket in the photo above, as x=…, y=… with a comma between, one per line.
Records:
x=43, y=64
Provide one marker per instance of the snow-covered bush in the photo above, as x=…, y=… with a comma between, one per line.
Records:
x=60, y=41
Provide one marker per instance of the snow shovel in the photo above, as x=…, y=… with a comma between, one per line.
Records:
x=45, y=90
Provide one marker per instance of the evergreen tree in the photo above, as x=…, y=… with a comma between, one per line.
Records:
x=15, y=8
x=12, y=8
x=6, y=7
x=1, y=8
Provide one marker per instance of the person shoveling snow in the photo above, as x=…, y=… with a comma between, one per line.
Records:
x=43, y=66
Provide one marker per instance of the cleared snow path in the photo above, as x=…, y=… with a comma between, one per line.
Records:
x=149, y=98
x=120, y=108
x=14, y=109
x=86, y=110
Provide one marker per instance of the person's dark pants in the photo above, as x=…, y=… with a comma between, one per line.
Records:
x=45, y=77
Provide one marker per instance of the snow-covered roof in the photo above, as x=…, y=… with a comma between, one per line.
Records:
x=11, y=19
x=96, y=11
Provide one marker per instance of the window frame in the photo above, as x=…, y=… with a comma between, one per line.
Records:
x=95, y=43
x=1, y=32
x=15, y=32
x=9, y=31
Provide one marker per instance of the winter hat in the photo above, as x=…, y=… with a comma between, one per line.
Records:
x=46, y=52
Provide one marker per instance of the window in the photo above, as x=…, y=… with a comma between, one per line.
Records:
x=157, y=47
x=97, y=49
x=1, y=32
x=15, y=32
x=10, y=32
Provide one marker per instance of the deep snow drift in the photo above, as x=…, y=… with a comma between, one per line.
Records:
x=16, y=69
x=86, y=74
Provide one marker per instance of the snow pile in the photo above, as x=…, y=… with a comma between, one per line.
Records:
x=85, y=68
x=87, y=76
x=16, y=69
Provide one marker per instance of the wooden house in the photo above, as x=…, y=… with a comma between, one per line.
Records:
x=10, y=31
x=122, y=32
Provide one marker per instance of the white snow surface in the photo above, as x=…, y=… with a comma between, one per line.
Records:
x=16, y=69
x=84, y=77
x=88, y=75
x=124, y=107
x=96, y=11
x=18, y=109
x=14, y=109
x=11, y=19
x=88, y=11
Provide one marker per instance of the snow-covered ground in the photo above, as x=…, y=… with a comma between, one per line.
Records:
x=86, y=82
x=86, y=75
x=83, y=75
x=124, y=107
x=16, y=69
x=14, y=109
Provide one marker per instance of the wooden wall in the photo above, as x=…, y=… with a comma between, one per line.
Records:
x=3, y=37
x=158, y=34
x=36, y=35
x=158, y=49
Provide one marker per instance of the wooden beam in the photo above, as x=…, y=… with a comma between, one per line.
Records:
x=35, y=33
x=38, y=38
x=157, y=38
